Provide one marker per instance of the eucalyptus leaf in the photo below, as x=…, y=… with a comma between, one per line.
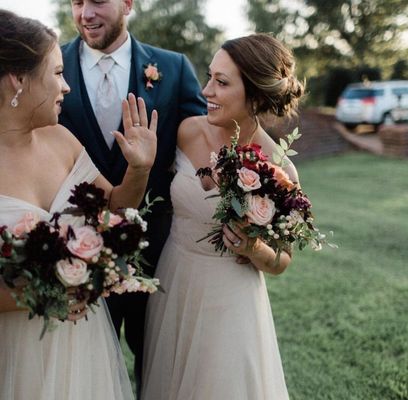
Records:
x=280, y=151
x=236, y=205
x=276, y=159
x=283, y=144
x=291, y=153
x=122, y=264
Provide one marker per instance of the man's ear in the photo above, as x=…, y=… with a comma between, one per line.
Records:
x=127, y=6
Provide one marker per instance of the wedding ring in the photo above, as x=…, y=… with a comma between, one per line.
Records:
x=136, y=124
x=237, y=243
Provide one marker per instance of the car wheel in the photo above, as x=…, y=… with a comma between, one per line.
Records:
x=387, y=119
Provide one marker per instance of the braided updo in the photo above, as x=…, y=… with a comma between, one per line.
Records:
x=266, y=67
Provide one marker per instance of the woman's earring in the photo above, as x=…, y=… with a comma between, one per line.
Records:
x=14, y=100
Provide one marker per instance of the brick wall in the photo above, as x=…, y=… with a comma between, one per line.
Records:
x=395, y=140
x=319, y=136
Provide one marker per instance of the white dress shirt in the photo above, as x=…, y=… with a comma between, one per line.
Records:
x=92, y=74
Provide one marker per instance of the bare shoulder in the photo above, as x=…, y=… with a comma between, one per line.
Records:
x=291, y=171
x=191, y=131
x=61, y=141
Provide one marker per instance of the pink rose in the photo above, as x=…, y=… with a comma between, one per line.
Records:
x=114, y=219
x=248, y=179
x=26, y=224
x=260, y=209
x=87, y=243
x=72, y=273
x=152, y=73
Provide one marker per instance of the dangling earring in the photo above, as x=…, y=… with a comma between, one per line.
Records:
x=254, y=110
x=14, y=100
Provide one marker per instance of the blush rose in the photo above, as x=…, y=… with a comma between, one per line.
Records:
x=152, y=73
x=248, y=179
x=260, y=210
x=86, y=244
x=26, y=224
x=72, y=272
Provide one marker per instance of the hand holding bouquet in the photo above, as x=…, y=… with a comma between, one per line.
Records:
x=57, y=264
x=259, y=196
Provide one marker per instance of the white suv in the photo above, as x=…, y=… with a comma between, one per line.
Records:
x=371, y=102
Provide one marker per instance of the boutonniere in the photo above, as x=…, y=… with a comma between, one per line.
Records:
x=151, y=75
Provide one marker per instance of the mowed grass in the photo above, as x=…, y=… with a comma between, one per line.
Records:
x=341, y=315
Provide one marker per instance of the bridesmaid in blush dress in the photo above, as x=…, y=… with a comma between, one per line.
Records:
x=40, y=164
x=211, y=334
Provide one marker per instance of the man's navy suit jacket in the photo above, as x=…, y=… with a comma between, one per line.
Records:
x=176, y=96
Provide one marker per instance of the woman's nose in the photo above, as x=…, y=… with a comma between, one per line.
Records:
x=65, y=87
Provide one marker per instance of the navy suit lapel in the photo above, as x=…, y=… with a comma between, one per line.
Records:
x=85, y=123
x=141, y=57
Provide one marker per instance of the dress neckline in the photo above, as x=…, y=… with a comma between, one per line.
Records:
x=198, y=180
x=63, y=184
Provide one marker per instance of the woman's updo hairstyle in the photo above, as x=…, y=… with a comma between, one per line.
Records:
x=24, y=43
x=266, y=67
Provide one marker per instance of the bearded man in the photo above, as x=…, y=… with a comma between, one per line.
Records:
x=102, y=66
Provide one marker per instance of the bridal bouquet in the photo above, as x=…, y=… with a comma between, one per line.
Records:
x=52, y=264
x=259, y=195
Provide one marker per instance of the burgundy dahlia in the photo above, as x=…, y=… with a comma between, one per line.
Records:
x=44, y=246
x=89, y=199
x=122, y=239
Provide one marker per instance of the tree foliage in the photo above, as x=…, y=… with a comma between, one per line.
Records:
x=336, y=33
x=400, y=70
x=66, y=24
x=177, y=25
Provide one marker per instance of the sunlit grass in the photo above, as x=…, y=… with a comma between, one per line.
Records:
x=341, y=315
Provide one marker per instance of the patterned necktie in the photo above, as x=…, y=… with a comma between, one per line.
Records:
x=108, y=109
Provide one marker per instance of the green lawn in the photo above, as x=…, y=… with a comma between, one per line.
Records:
x=341, y=315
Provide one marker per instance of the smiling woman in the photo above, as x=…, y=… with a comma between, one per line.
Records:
x=40, y=164
x=211, y=334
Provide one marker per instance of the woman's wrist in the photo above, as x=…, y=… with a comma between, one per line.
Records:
x=266, y=259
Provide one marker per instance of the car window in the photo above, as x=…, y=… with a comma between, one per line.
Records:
x=400, y=91
x=362, y=93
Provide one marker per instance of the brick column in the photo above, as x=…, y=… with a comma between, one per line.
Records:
x=395, y=140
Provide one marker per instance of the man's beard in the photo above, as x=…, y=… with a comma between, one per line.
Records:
x=108, y=39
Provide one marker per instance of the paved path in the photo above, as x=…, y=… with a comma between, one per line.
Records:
x=366, y=141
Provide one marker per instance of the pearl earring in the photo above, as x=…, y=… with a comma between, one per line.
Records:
x=14, y=100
